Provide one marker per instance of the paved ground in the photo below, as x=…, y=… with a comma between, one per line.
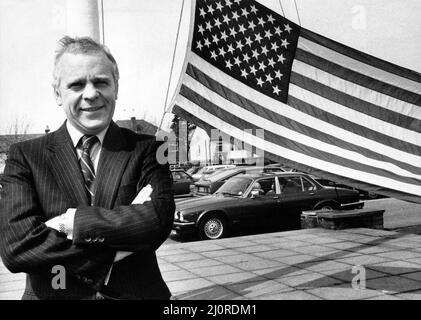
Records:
x=304, y=264
x=398, y=214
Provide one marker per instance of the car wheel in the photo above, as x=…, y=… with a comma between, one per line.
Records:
x=372, y=195
x=212, y=227
x=326, y=207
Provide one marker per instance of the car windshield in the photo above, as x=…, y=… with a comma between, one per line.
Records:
x=235, y=186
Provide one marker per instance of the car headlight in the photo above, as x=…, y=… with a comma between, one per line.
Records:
x=179, y=216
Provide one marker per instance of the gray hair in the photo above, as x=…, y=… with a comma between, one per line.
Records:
x=81, y=45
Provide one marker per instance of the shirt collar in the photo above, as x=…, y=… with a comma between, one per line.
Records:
x=75, y=134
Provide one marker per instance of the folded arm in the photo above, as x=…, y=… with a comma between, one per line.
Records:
x=27, y=244
x=134, y=227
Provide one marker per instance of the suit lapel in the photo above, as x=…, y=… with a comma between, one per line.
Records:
x=64, y=165
x=112, y=164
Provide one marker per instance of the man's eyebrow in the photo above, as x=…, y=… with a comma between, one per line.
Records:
x=93, y=78
x=101, y=77
x=75, y=81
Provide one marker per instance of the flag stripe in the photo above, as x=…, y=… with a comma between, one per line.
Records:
x=202, y=123
x=321, y=160
x=359, y=62
x=294, y=114
x=355, y=116
x=361, y=106
x=228, y=111
x=356, y=129
x=179, y=110
x=215, y=92
x=413, y=100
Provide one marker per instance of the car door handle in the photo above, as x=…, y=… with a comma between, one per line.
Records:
x=311, y=194
x=276, y=197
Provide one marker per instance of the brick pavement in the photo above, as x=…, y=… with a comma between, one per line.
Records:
x=310, y=264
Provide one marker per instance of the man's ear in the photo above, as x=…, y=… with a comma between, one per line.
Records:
x=57, y=96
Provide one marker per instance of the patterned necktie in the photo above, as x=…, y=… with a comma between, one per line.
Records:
x=86, y=164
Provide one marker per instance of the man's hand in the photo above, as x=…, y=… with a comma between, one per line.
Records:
x=143, y=195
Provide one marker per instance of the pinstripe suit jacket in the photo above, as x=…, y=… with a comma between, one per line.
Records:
x=42, y=179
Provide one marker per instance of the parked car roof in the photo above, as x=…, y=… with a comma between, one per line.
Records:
x=222, y=174
x=210, y=169
x=270, y=174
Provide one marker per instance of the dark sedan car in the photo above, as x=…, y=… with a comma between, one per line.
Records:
x=364, y=194
x=182, y=182
x=213, y=182
x=275, y=200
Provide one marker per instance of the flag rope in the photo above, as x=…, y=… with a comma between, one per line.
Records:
x=282, y=8
x=298, y=14
x=172, y=66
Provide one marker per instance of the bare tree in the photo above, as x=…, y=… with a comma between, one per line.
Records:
x=18, y=129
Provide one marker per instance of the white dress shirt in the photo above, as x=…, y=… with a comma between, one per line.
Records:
x=95, y=151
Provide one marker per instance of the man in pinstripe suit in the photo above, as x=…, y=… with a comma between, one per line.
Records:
x=102, y=235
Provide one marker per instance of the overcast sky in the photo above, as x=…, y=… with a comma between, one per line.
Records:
x=142, y=33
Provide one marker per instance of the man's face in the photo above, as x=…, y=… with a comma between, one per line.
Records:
x=86, y=90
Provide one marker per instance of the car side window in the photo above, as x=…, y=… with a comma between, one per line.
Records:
x=270, y=170
x=307, y=185
x=268, y=186
x=290, y=185
x=176, y=176
x=182, y=175
x=256, y=187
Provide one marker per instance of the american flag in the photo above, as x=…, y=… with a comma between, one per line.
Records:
x=325, y=108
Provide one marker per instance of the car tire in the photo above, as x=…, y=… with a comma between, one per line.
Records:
x=372, y=195
x=326, y=207
x=212, y=227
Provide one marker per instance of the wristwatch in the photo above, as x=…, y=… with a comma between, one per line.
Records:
x=62, y=227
